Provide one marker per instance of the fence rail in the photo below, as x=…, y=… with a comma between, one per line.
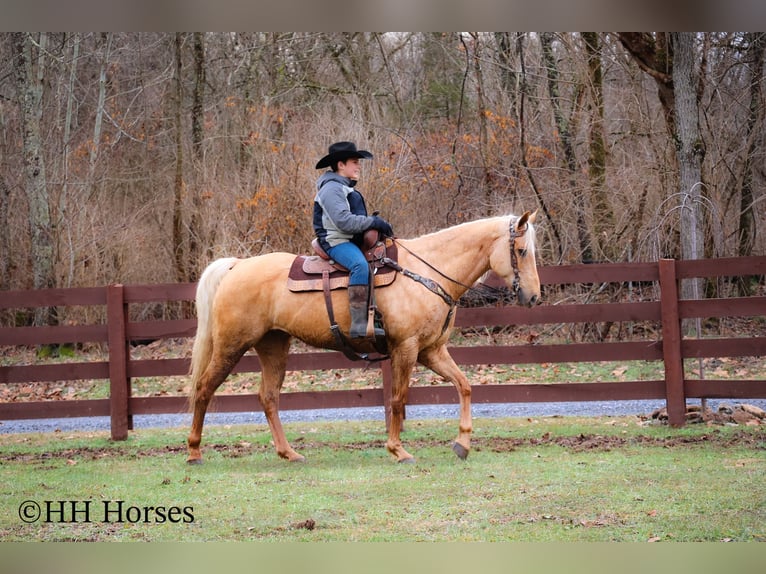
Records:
x=671, y=348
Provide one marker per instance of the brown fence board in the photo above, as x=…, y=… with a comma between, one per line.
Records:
x=161, y=329
x=574, y=353
x=52, y=335
x=721, y=267
x=54, y=409
x=57, y=372
x=243, y=402
x=611, y=273
x=158, y=367
x=726, y=389
x=319, y=361
x=731, y=307
x=554, y=392
x=595, y=312
x=53, y=297
x=742, y=347
x=160, y=292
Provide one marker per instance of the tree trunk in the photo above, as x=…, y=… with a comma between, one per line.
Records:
x=198, y=106
x=198, y=136
x=691, y=151
x=755, y=57
x=29, y=71
x=566, y=135
x=106, y=46
x=5, y=240
x=747, y=228
x=178, y=185
x=508, y=77
x=481, y=110
x=554, y=226
x=603, y=216
x=654, y=55
x=64, y=201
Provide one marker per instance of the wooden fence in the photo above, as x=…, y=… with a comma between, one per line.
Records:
x=667, y=311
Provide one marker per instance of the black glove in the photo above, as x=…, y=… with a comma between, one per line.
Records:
x=382, y=225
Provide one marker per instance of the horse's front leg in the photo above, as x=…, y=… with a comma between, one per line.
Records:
x=402, y=363
x=440, y=362
x=272, y=352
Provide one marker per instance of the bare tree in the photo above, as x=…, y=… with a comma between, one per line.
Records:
x=5, y=243
x=756, y=48
x=558, y=245
x=603, y=215
x=104, y=45
x=566, y=126
x=670, y=60
x=654, y=55
x=198, y=136
x=179, y=252
x=691, y=150
x=66, y=145
x=29, y=68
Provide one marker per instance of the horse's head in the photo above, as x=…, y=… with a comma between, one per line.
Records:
x=516, y=264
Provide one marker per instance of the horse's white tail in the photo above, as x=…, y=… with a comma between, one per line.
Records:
x=203, y=341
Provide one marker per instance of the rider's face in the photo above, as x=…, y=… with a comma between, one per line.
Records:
x=350, y=168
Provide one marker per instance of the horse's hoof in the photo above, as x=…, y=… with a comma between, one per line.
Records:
x=194, y=461
x=460, y=450
x=410, y=460
x=298, y=458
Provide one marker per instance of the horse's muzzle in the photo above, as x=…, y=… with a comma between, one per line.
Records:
x=528, y=301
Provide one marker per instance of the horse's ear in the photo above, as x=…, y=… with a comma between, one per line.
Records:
x=532, y=216
x=523, y=220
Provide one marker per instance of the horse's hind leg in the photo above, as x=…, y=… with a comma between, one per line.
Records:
x=272, y=352
x=440, y=362
x=215, y=373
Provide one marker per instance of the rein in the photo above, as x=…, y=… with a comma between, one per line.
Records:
x=437, y=289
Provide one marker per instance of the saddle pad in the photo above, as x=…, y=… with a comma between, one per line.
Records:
x=299, y=280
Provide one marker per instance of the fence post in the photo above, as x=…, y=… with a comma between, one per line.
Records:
x=119, y=384
x=671, y=344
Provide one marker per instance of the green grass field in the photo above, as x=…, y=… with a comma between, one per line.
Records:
x=551, y=479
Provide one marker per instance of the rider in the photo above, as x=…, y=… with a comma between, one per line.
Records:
x=340, y=220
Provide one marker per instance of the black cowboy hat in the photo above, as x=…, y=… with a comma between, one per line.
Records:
x=341, y=151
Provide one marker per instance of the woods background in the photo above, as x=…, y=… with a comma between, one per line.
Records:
x=140, y=157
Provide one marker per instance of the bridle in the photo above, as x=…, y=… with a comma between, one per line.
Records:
x=515, y=234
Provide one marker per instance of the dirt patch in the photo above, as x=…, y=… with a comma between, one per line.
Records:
x=749, y=438
x=744, y=414
x=605, y=443
x=86, y=453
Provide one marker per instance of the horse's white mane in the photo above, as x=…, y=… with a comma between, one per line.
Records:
x=506, y=219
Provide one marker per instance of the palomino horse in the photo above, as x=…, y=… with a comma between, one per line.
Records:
x=245, y=303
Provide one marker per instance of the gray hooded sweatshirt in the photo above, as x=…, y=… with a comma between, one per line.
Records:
x=339, y=210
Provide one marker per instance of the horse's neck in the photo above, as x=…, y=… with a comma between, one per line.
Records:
x=461, y=252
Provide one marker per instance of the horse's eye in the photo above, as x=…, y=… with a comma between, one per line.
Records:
x=522, y=252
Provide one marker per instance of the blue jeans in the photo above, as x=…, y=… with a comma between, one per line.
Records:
x=352, y=258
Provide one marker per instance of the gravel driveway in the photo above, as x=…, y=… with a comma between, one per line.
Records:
x=449, y=412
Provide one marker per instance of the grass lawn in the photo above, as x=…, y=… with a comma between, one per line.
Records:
x=550, y=479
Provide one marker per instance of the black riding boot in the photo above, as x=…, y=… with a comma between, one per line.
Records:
x=357, y=300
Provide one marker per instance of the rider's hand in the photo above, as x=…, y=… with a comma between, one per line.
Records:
x=382, y=225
